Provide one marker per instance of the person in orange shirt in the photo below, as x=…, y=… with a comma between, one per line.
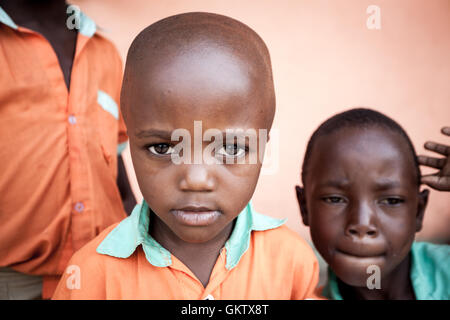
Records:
x=195, y=235
x=60, y=131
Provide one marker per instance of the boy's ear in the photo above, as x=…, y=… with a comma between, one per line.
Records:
x=301, y=198
x=423, y=201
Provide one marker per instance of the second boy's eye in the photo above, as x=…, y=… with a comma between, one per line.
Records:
x=232, y=150
x=392, y=201
x=334, y=199
x=161, y=149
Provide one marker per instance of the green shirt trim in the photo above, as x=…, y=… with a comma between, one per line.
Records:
x=132, y=232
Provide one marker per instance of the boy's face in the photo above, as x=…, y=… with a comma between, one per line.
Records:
x=196, y=201
x=361, y=201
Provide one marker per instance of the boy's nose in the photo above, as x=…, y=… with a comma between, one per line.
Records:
x=361, y=231
x=197, y=177
x=361, y=222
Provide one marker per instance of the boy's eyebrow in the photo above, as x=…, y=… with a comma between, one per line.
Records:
x=337, y=183
x=154, y=133
x=385, y=184
x=168, y=134
x=382, y=184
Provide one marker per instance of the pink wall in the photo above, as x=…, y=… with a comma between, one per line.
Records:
x=325, y=60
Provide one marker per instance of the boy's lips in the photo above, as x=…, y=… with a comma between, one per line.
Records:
x=360, y=254
x=196, y=215
x=362, y=250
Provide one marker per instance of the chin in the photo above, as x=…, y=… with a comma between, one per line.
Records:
x=195, y=236
x=357, y=272
x=354, y=278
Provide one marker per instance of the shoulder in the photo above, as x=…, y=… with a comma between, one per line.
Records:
x=431, y=251
x=432, y=256
x=105, y=49
x=88, y=254
x=84, y=276
x=285, y=242
x=101, y=40
x=430, y=272
x=289, y=259
x=284, y=236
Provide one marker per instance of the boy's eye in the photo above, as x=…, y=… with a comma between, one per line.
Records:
x=333, y=199
x=392, y=201
x=161, y=149
x=232, y=150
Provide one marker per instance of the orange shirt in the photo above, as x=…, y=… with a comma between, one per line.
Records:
x=58, y=152
x=260, y=260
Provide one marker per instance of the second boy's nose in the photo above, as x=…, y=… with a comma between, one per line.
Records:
x=361, y=222
x=197, y=177
x=361, y=231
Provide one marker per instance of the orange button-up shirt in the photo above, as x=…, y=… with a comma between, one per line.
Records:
x=262, y=259
x=58, y=147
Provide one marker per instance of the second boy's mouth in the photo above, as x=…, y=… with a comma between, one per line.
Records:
x=360, y=255
x=362, y=250
x=196, y=215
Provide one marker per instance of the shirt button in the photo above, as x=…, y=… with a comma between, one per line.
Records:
x=72, y=119
x=209, y=297
x=79, y=207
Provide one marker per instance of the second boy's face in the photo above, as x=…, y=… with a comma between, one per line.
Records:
x=361, y=202
x=195, y=201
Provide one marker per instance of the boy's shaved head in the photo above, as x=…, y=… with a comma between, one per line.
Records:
x=187, y=45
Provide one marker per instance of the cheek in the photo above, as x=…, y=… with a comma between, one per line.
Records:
x=398, y=226
x=155, y=181
x=244, y=171
x=399, y=232
x=237, y=184
x=326, y=228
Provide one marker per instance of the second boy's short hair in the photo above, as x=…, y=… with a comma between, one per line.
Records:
x=358, y=118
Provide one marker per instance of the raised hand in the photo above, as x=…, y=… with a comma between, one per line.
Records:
x=441, y=179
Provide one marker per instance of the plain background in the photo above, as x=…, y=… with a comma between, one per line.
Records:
x=325, y=60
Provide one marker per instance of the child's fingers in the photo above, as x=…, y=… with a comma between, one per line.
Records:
x=437, y=163
x=446, y=131
x=437, y=147
x=436, y=182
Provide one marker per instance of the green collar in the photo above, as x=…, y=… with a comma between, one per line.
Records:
x=5, y=19
x=331, y=289
x=87, y=25
x=430, y=271
x=124, y=239
x=430, y=274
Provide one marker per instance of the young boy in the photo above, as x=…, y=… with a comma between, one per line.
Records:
x=195, y=235
x=362, y=202
x=61, y=180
